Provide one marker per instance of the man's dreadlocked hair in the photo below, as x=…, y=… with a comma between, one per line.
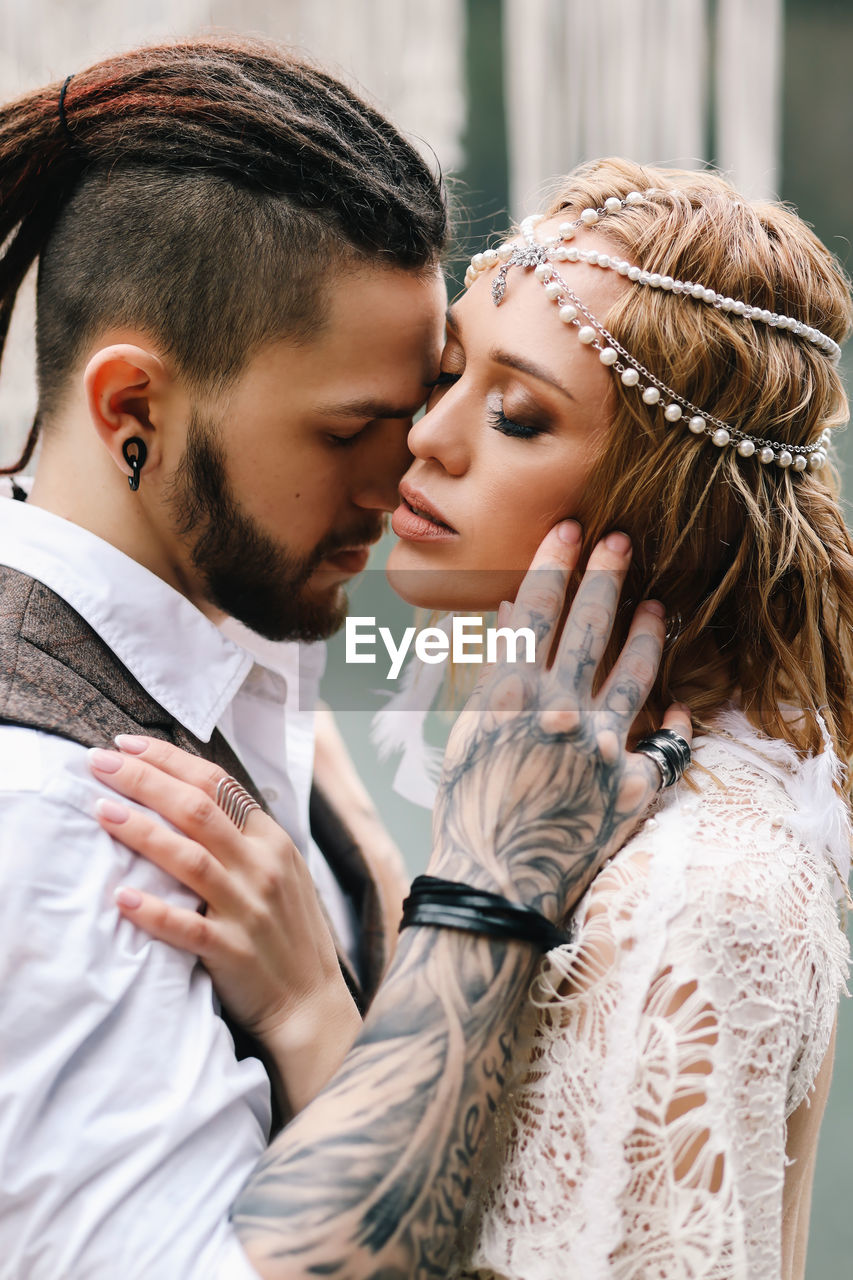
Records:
x=199, y=191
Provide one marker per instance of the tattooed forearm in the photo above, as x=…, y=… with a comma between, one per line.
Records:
x=372, y=1177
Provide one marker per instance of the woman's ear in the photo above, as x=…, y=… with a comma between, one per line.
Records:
x=126, y=389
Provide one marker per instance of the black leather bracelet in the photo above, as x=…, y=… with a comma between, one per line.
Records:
x=446, y=904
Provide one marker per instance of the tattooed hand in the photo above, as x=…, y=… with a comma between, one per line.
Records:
x=370, y=1181
x=538, y=788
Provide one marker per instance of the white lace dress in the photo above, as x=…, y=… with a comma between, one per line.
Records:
x=643, y=1133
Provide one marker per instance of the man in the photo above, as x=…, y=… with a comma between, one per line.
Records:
x=239, y=308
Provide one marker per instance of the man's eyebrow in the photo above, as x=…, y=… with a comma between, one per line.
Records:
x=368, y=409
x=513, y=361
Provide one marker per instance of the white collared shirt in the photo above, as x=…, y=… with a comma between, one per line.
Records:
x=127, y=1126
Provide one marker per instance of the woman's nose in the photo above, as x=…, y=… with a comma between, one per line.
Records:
x=440, y=436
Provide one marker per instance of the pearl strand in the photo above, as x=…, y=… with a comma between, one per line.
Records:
x=540, y=255
x=654, y=280
x=591, y=332
x=555, y=245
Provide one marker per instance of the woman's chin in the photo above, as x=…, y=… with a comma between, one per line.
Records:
x=448, y=589
x=425, y=588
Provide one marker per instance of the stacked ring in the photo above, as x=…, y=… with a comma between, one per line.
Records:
x=670, y=752
x=235, y=801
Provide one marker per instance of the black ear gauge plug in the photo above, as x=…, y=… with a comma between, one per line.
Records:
x=134, y=452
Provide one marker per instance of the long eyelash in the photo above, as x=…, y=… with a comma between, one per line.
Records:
x=445, y=379
x=501, y=422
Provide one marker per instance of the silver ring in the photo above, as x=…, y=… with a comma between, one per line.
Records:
x=235, y=801
x=670, y=752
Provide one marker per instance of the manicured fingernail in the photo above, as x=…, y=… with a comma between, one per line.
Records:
x=655, y=607
x=125, y=897
x=104, y=761
x=504, y=610
x=112, y=810
x=569, y=532
x=132, y=743
x=618, y=542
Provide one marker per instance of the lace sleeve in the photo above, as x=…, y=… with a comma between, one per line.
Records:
x=643, y=1134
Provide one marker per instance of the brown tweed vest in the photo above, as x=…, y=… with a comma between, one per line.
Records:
x=58, y=675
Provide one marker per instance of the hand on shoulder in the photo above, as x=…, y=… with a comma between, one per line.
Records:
x=263, y=936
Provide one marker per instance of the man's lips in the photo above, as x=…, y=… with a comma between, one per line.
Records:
x=418, y=518
x=353, y=556
x=350, y=559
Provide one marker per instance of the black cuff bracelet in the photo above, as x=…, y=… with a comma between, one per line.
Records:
x=444, y=903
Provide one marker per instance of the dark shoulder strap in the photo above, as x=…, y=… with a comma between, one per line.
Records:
x=343, y=854
x=57, y=675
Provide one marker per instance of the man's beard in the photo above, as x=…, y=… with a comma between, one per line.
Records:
x=246, y=573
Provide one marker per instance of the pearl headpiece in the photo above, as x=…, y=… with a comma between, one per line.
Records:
x=542, y=256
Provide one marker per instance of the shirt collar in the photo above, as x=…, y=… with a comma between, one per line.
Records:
x=300, y=663
x=179, y=656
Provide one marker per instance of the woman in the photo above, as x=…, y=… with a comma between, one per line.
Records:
x=658, y=356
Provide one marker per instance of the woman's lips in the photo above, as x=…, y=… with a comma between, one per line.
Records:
x=418, y=520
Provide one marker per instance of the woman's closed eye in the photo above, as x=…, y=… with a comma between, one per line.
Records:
x=509, y=426
x=497, y=418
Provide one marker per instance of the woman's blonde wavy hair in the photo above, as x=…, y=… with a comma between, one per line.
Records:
x=754, y=563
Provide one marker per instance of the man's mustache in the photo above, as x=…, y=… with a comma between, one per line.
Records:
x=360, y=536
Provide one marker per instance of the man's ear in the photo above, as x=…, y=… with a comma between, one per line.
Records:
x=126, y=389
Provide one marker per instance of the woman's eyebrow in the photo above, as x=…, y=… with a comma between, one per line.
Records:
x=527, y=366
x=513, y=361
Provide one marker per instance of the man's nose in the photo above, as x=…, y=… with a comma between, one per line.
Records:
x=382, y=467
